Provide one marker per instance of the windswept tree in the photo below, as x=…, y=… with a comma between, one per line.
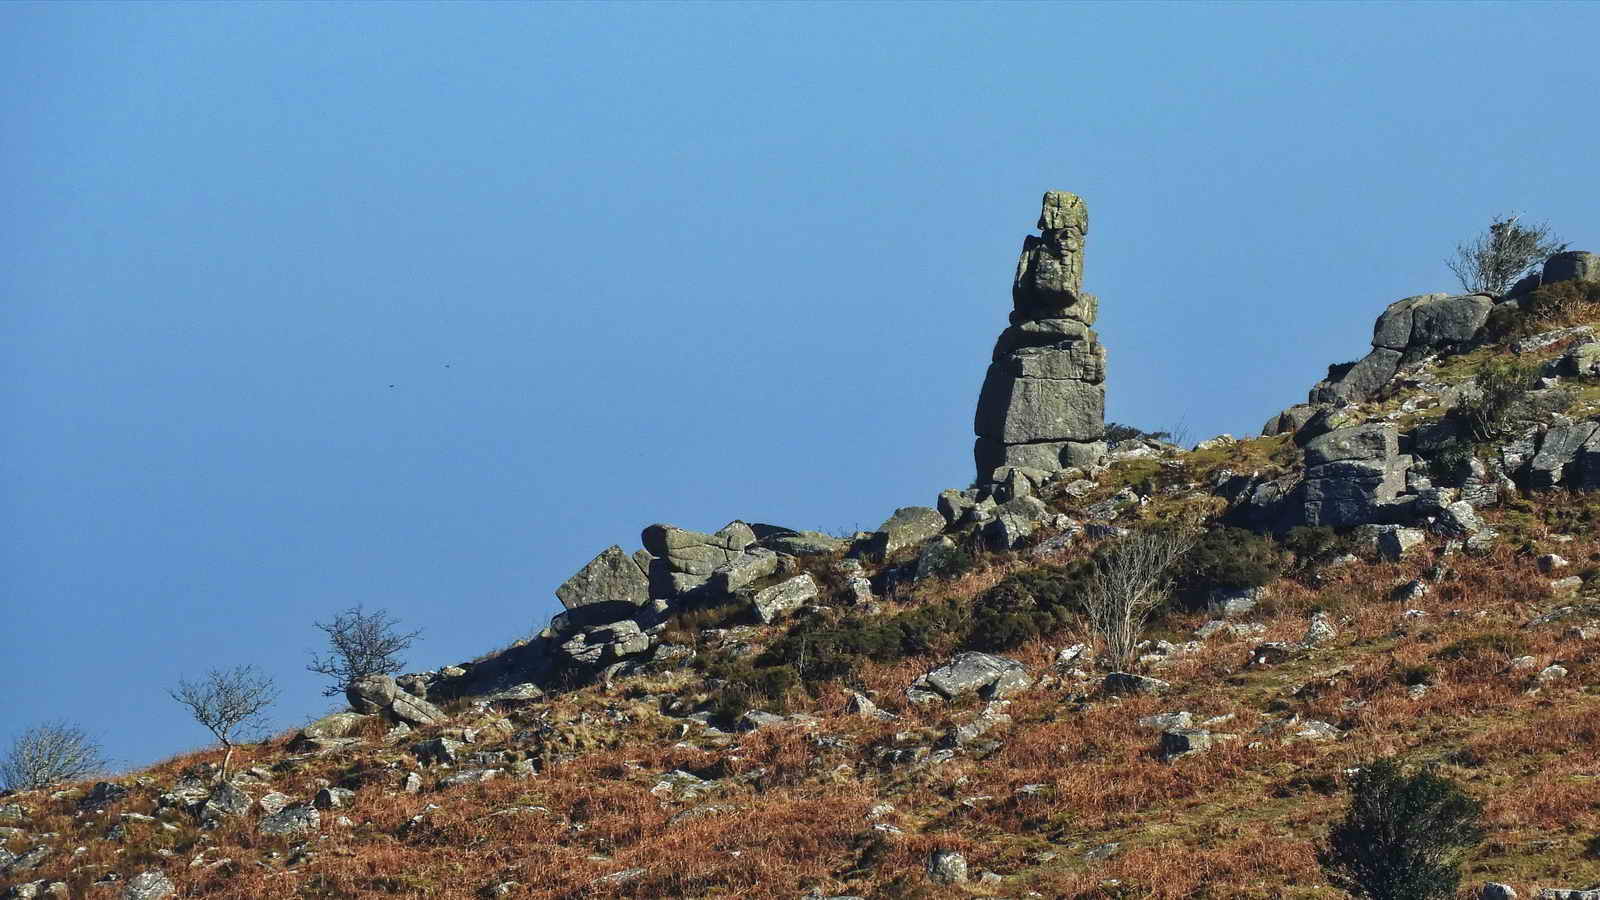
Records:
x=1494, y=260
x=229, y=703
x=360, y=644
x=1131, y=581
x=47, y=754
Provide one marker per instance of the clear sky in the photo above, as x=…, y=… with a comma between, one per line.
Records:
x=416, y=306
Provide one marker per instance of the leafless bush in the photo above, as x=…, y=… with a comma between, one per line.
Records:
x=1498, y=257
x=47, y=754
x=363, y=644
x=228, y=702
x=1129, y=583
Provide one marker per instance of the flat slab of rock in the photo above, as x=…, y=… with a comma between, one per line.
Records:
x=972, y=672
x=743, y=571
x=298, y=819
x=784, y=597
x=151, y=885
x=611, y=577
x=908, y=526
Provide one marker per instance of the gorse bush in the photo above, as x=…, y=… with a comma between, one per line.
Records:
x=1309, y=542
x=1403, y=837
x=1227, y=558
x=1502, y=402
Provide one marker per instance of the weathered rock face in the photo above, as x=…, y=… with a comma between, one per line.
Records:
x=1043, y=401
x=1572, y=265
x=1408, y=330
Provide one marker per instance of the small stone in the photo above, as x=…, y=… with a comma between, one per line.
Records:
x=1566, y=586
x=1166, y=721
x=947, y=867
x=333, y=798
x=1395, y=543
x=1410, y=592
x=300, y=819
x=1494, y=890
x=1118, y=683
x=1550, y=562
x=1320, y=631
x=1552, y=673
x=149, y=885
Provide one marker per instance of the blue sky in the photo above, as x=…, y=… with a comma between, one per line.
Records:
x=665, y=262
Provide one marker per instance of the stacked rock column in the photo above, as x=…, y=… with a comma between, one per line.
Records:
x=1043, y=401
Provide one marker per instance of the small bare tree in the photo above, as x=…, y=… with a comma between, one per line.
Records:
x=1498, y=257
x=1129, y=583
x=228, y=702
x=363, y=644
x=47, y=754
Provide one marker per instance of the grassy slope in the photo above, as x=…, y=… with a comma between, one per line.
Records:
x=791, y=811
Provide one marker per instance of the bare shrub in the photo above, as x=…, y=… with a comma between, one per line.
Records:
x=1131, y=581
x=48, y=754
x=1493, y=261
x=228, y=702
x=362, y=644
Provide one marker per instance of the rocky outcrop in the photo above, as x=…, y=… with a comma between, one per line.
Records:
x=1043, y=400
x=1407, y=331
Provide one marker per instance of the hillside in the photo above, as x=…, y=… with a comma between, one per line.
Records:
x=1398, y=568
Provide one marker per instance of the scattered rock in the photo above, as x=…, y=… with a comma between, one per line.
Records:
x=1495, y=891
x=784, y=597
x=1233, y=603
x=1550, y=562
x=333, y=798
x=1119, y=683
x=1566, y=587
x=291, y=820
x=1320, y=631
x=908, y=526
x=1395, y=543
x=992, y=677
x=947, y=867
x=149, y=885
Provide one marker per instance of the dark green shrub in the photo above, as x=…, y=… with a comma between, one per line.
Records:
x=954, y=563
x=1403, y=837
x=1116, y=431
x=1450, y=460
x=746, y=687
x=1227, y=558
x=1309, y=542
x=1502, y=403
x=1493, y=644
x=1024, y=606
x=1411, y=676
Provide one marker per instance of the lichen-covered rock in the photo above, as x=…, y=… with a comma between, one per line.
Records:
x=298, y=819
x=1571, y=265
x=371, y=694
x=785, y=597
x=971, y=672
x=613, y=577
x=908, y=526
x=149, y=885
x=1043, y=400
x=947, y=867
x=742, y=571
